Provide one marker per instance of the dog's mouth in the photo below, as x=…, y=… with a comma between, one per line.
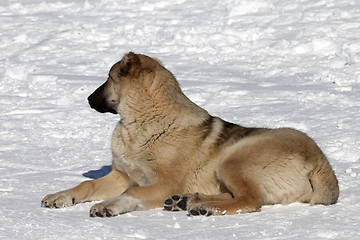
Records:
x=98, y=101
x=100, y=106
x=113, y=111
x=104, y=109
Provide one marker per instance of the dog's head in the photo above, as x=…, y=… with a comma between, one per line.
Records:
x=122, y=76
x=140, y=87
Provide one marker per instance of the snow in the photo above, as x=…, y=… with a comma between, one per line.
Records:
x=292, y=63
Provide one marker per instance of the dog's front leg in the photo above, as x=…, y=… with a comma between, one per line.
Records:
x=103, y=188
x=133, y=199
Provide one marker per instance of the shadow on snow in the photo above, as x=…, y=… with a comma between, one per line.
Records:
x=95, y=174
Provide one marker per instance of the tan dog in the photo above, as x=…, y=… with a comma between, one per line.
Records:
x=165, y=145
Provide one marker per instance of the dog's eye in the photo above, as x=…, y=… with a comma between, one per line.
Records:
x=123, y=72
x=112, y=79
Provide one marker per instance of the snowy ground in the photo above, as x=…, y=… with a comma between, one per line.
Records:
x=254, y=62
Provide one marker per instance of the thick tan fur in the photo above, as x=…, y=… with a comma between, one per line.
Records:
x=166, y=148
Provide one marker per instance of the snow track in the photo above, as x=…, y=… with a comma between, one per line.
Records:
x=257, y=63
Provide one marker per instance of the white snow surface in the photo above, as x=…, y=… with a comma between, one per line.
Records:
x=262, y=63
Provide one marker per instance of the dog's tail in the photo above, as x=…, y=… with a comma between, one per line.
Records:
x=324, y=183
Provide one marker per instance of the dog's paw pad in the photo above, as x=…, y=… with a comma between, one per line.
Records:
x=105, y=213
x=108, y=213
x=199, y=211
x=101, y=213
x=176, y=203
x=97, y=214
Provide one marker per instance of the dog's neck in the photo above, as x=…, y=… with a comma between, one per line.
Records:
x=145, y=112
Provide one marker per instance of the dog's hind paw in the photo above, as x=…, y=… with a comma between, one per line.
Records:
x=199, y=210
x=180, y=202
x=101, y=212
x=176, y=203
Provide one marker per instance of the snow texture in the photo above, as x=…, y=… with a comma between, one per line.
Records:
x=293, y=63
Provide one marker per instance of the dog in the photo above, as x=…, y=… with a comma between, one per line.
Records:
x=168, y=152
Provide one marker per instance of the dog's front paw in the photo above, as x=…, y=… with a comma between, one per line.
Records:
x=58, y=200
x=116, y=206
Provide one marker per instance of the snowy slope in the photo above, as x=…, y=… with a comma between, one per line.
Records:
x=259, y=63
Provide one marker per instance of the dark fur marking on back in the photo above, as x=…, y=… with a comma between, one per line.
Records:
x=231, y=133
x=207, y=127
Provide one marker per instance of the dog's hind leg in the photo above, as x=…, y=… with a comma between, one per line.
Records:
x=325, y=185
x=103, y=188
x=180, y=202
x=219, y=204
x=235, y=205
x=246, y=198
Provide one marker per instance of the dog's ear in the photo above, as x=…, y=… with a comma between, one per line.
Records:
x=130, y=65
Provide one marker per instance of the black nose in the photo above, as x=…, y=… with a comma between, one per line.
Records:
x=97, y=100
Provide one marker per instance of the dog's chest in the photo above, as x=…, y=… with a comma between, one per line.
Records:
x=136, y=171
x=127, y=159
